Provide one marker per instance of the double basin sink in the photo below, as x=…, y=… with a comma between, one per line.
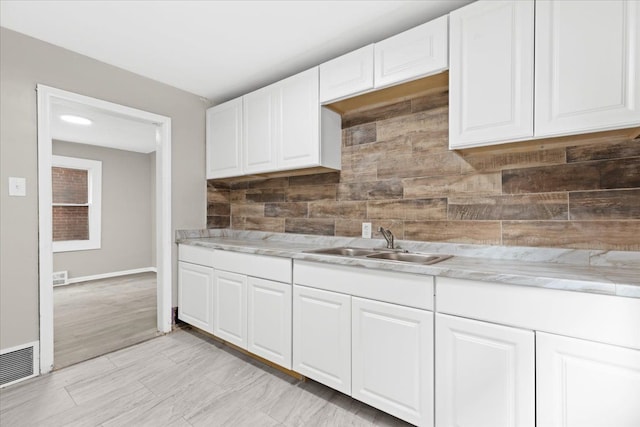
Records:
x=398, y=255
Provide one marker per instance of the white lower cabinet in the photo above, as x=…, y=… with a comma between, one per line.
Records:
x=269, y=320
x=485, y=374
x=586, y=384
x=230, y=307
x=392, y=359
x=195, y=295
x=322, y=336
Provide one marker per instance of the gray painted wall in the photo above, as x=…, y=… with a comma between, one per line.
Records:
x=127, y=213
x=24, y=62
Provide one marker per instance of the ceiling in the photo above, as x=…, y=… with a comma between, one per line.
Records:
x=216, y=49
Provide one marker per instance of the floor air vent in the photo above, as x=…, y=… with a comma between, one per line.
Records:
x=18, y=364
x=60, y=278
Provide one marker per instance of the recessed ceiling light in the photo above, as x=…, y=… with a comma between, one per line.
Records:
x=76, y=120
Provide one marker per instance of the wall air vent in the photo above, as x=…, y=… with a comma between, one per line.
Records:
x=60, y=278
x=18, y=363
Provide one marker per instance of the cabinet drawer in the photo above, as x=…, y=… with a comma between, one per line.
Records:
x=196, y=255
x=603, y=318
x=411, y=290
x=263, y=266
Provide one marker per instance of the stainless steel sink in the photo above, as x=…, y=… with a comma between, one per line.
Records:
x=399, y=255
x=344, y=251
x=409, y=257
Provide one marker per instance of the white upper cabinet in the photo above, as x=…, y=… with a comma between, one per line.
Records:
x=347, y=75
x=415, y=53
x=587, y=66
x=285, y=128
x=491, y=73
x=586, y=384
x=299, y=122
x=260, y=129
x=224, y=139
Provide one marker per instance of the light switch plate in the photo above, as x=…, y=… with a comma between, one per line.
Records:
x=17, y=186
x=366, y=230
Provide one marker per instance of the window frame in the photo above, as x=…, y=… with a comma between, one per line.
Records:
x=94, y=203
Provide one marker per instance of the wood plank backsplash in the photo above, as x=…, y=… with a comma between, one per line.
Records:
x=397, y=172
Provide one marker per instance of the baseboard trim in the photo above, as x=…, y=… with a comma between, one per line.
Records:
x=73, y=280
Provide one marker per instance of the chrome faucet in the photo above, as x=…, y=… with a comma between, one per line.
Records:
x=388, y=236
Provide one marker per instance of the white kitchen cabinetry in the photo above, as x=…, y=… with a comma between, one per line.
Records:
x=347, y=75
x=230, y=307
x=485, y=374
x=414, y=53
x=586, y=384
x=587, y=66
x=491, y=73
x=224, y=139
x=260, y=129
x=587, y=70
x=269, y=320
x=285, y=128
x=351, y=333
x=322, y=336
x=195, y=295
x=392, y=359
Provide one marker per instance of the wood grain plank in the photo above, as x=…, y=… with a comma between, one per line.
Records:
x=476, y=232
x=223, y=209
x=605, y=205
x=316, y=226
x=419, y=209
x=275, y=225
x=414, y=165
x=338, y=209
x=315, y=179
x=602, y=151
x=606, y=174
x=547, y=206
x=373, y=190
x=247, y=209
x=218, y=221
x=416, y=122
x=484, y=162
x=286, y=210
x=309, y=193
x=215, y=195
x=375, y=114
x=360, y=134
x=438, y=186
x=264, y=195
x=608, y=235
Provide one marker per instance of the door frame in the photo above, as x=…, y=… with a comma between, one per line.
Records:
x=46, y=97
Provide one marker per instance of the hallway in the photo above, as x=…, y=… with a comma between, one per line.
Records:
x=101, y=316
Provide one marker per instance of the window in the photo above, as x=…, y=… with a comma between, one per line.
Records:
x=76, y=207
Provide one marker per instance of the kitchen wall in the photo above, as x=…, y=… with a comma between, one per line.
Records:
x=127, y=210
x=24, y=62
x=397, y=172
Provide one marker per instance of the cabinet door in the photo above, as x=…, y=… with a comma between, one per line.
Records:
x=584, y=383
x=260, y=129
x=322, y=337
x=269, y=317
x=224, y=140
x=392, y=359
x=347, y=75
x=195, y=295
x=587, y=66
x=485, y=374
x=415, y=53
x=299, y=122
x=491, y=73
x=230, y=308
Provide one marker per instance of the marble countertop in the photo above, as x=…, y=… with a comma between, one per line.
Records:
x=602, y=272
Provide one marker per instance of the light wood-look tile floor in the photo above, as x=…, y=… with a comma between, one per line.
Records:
x=101, y=316
x=180, y=379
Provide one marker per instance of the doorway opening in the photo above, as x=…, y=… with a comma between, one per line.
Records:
x=117, y=129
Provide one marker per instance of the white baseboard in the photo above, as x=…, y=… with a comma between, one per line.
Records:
x=73, y=280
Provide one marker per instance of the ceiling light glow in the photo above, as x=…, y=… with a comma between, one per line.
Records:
x=76, y=120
